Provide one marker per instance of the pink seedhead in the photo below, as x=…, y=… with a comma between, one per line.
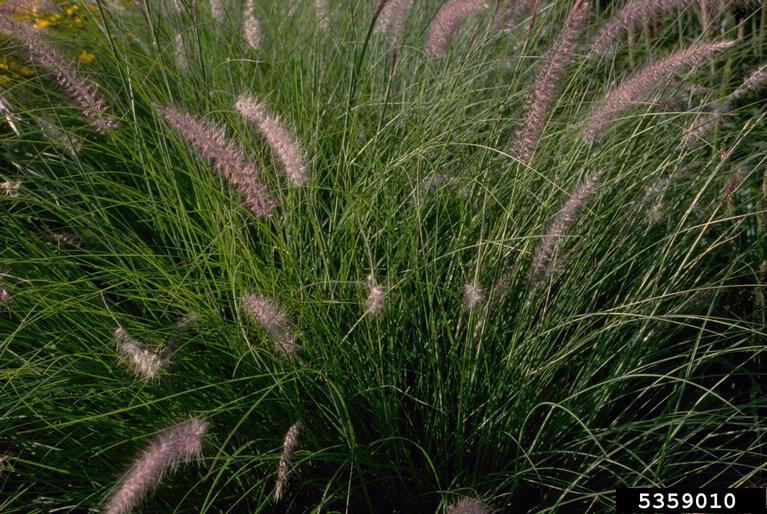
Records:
x=283, y=144
x=289, y=445
x=547, y=81
x=4, y=295
x=509, y=14
x=10, y=187
x=755, y=81
x=391, y=20
x=217, y=10
x=644, y=82
x=274, y=322
x=558, y=227
x=92, y=104
x=703, y=123
x=178, y=444
x=468, y=506
x=225, y=156
x=251, y=26
x=376, y=296
x=182, y=62
x=144, y=362
x=323, y=15
x=633, y=14
x=472, y=296
x=446, y=22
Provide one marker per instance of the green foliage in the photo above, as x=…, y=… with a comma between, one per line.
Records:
x=639, y=361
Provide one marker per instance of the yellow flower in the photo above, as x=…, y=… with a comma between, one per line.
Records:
x=41, y=23
x=87, y=57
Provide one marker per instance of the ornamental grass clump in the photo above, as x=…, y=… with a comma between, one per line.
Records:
x=469, y=308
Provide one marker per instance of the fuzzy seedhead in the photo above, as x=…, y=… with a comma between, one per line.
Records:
x=251, y=26
x=178, y=444
x=225, y=156
x=376, y=296
x=447, y=20
x=144, y=362
x=92, y=104
x=282, y=143
x=289, y=446
x=468, y=506
x=644, y=82
x=558, y=227
x=547, y=81
x=274, y=322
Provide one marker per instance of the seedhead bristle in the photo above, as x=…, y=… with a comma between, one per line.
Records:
x=547, y=81
x=251, y=26
x=472, y=296
x=468, y=506
x=376, y=296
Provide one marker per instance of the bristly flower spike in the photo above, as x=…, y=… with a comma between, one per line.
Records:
x=274, y=322
x=322, y=13
x=632, y=14
x=251, y=26
x=376, y=296
x=144, y=362
x=182, y=62
x=559, y=226
x=225, y=156
x=289, y=446
x=391, y=20
x=473, y=295
x=446, y=22
x=176, y=445
x=217, y=10
x=644, y=82
x=92, y=104
x=468, y=506
x=547, y=80
x=283, y=144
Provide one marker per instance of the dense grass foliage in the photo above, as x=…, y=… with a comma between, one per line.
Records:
x=545, y=330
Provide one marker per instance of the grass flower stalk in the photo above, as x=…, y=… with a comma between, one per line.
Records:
x=217, y=10
x=391, y=20
x=274, y=322
x=547, y=81
x=251, y=26
x=323, y=14
x=560, y=224
x=376, y=296
x=176, y=445
x=182, y=63
x=633, y=14
x=645, y=82
x=468, y=506
x=289, y=446
x=88, y=98
x=447, y=20
x=144, y=362
x=226, y=157
x=282, y=143
x=473, y=295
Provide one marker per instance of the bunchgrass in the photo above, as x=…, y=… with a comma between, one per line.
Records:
x=635, y=358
